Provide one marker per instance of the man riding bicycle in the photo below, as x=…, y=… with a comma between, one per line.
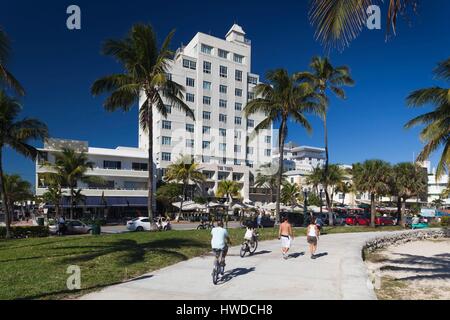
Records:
x=220, y=240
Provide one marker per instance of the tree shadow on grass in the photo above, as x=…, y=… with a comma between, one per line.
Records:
x=132, y=251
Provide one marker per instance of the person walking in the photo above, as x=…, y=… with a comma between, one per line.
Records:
x=286, y=235
x=259, y=220
x=312, y=236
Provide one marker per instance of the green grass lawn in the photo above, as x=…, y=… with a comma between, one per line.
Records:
x=36, y=268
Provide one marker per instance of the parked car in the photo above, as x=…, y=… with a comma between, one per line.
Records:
x=357, y=220
x=294, y=218
x=139, y=224
x=384, y=221
x=73, y=227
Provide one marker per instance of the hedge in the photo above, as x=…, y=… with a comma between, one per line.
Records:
x=445, y=221
x=25, y=232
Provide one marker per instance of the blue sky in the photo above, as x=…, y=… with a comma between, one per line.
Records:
x=58, y=66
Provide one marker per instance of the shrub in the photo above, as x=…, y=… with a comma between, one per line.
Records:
x=445, y=221
x=26, y=232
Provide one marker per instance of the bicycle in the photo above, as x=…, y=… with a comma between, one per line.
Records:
x=249, y=246
x=205, y=226
x=219, y=265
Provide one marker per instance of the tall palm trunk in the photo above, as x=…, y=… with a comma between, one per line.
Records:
x=183, y=197
x=399, y=210
x=403, y=217
x=372, y=210
x=280, y=169
x=4, y=200
x=150, y=159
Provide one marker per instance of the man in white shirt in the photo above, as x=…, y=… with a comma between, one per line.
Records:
x=220, y=240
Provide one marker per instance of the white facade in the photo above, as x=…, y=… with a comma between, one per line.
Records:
x=216, y=74
x=301, y=158
x=123, y=169
x=436, y=186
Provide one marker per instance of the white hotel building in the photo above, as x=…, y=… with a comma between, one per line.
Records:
x=218, y=80
x=216, y=74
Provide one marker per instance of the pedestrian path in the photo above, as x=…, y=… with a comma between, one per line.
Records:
x=338, y=273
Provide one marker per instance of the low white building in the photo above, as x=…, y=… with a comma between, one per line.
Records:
x=124, y=171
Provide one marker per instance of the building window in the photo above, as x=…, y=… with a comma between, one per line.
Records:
x=206, y=115
x=250, y=123
x=252, y=80
x=237, y=148
x=190, y=82
x=238, y=92
x=206, y=159
x=206, y=100
x=267, y=152
x=166, y=156
x=223, y=89
x=238, y=75
x=206, y=85
x=168, y=109
x=223, y=72
x=135, y=185
x=249, y=163
x=117, y=165
x=237, y=135
x=169, y=76
x=223, y=53
x=238, y=58
x=222, y=103
x=206, y=130
x=190, y=128
x=222, y=132
x=166, y=141
x=206, y=49
x=249, y=150
x=222, y=147
x=189, y=64
x=189, y=114
x=238, y=106
x=189, y=143
x=167, y=125
x=138, y=166
x=237, y=162
x=207, y=67
x=222, y=118
x=268, y=139
x=237, y=121
x=190, y=97
x=251, y=96
x=206, y=144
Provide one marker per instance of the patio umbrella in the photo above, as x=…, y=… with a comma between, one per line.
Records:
x=185, y=203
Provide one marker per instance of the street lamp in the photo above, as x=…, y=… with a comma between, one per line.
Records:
x=321, y=203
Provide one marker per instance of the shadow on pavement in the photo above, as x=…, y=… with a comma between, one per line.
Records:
x=319, y=255
x=261, y=252
x=296, y=255
x=229, y=275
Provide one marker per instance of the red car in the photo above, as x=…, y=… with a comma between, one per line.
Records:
x=384, y=221
x=357, y=220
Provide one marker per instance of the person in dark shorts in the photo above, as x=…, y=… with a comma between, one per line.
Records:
x=312, y=235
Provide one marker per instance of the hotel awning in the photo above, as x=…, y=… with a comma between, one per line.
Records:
x=107, y=202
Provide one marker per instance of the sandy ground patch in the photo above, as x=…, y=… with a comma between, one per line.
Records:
x=416, y=270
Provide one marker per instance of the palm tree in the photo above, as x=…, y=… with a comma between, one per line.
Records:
x=324, y=76
x=438, y=203
x=315, y=179
x=228, y=189
x=410, y=181
x=267, y=179
x=345, y=187
x=436, y=133
x=54, y=195
x=6, y=76
x=69, y=168
x=291, y=194
x=374, y=177
x=16, y=134
x=184, y=171
x=284, y=97
x=339, y=22
x=146, y=69
x=16, y=189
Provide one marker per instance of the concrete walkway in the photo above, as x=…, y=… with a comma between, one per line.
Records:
x=339, y=273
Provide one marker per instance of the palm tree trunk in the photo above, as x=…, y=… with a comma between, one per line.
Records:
x=326, y=162
x=372, y=210
x=180, y=212
x=403, y=218
x=399, y=210
x=280, y=169
x=4, y=200
x=150, y=159
x=71, y=204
